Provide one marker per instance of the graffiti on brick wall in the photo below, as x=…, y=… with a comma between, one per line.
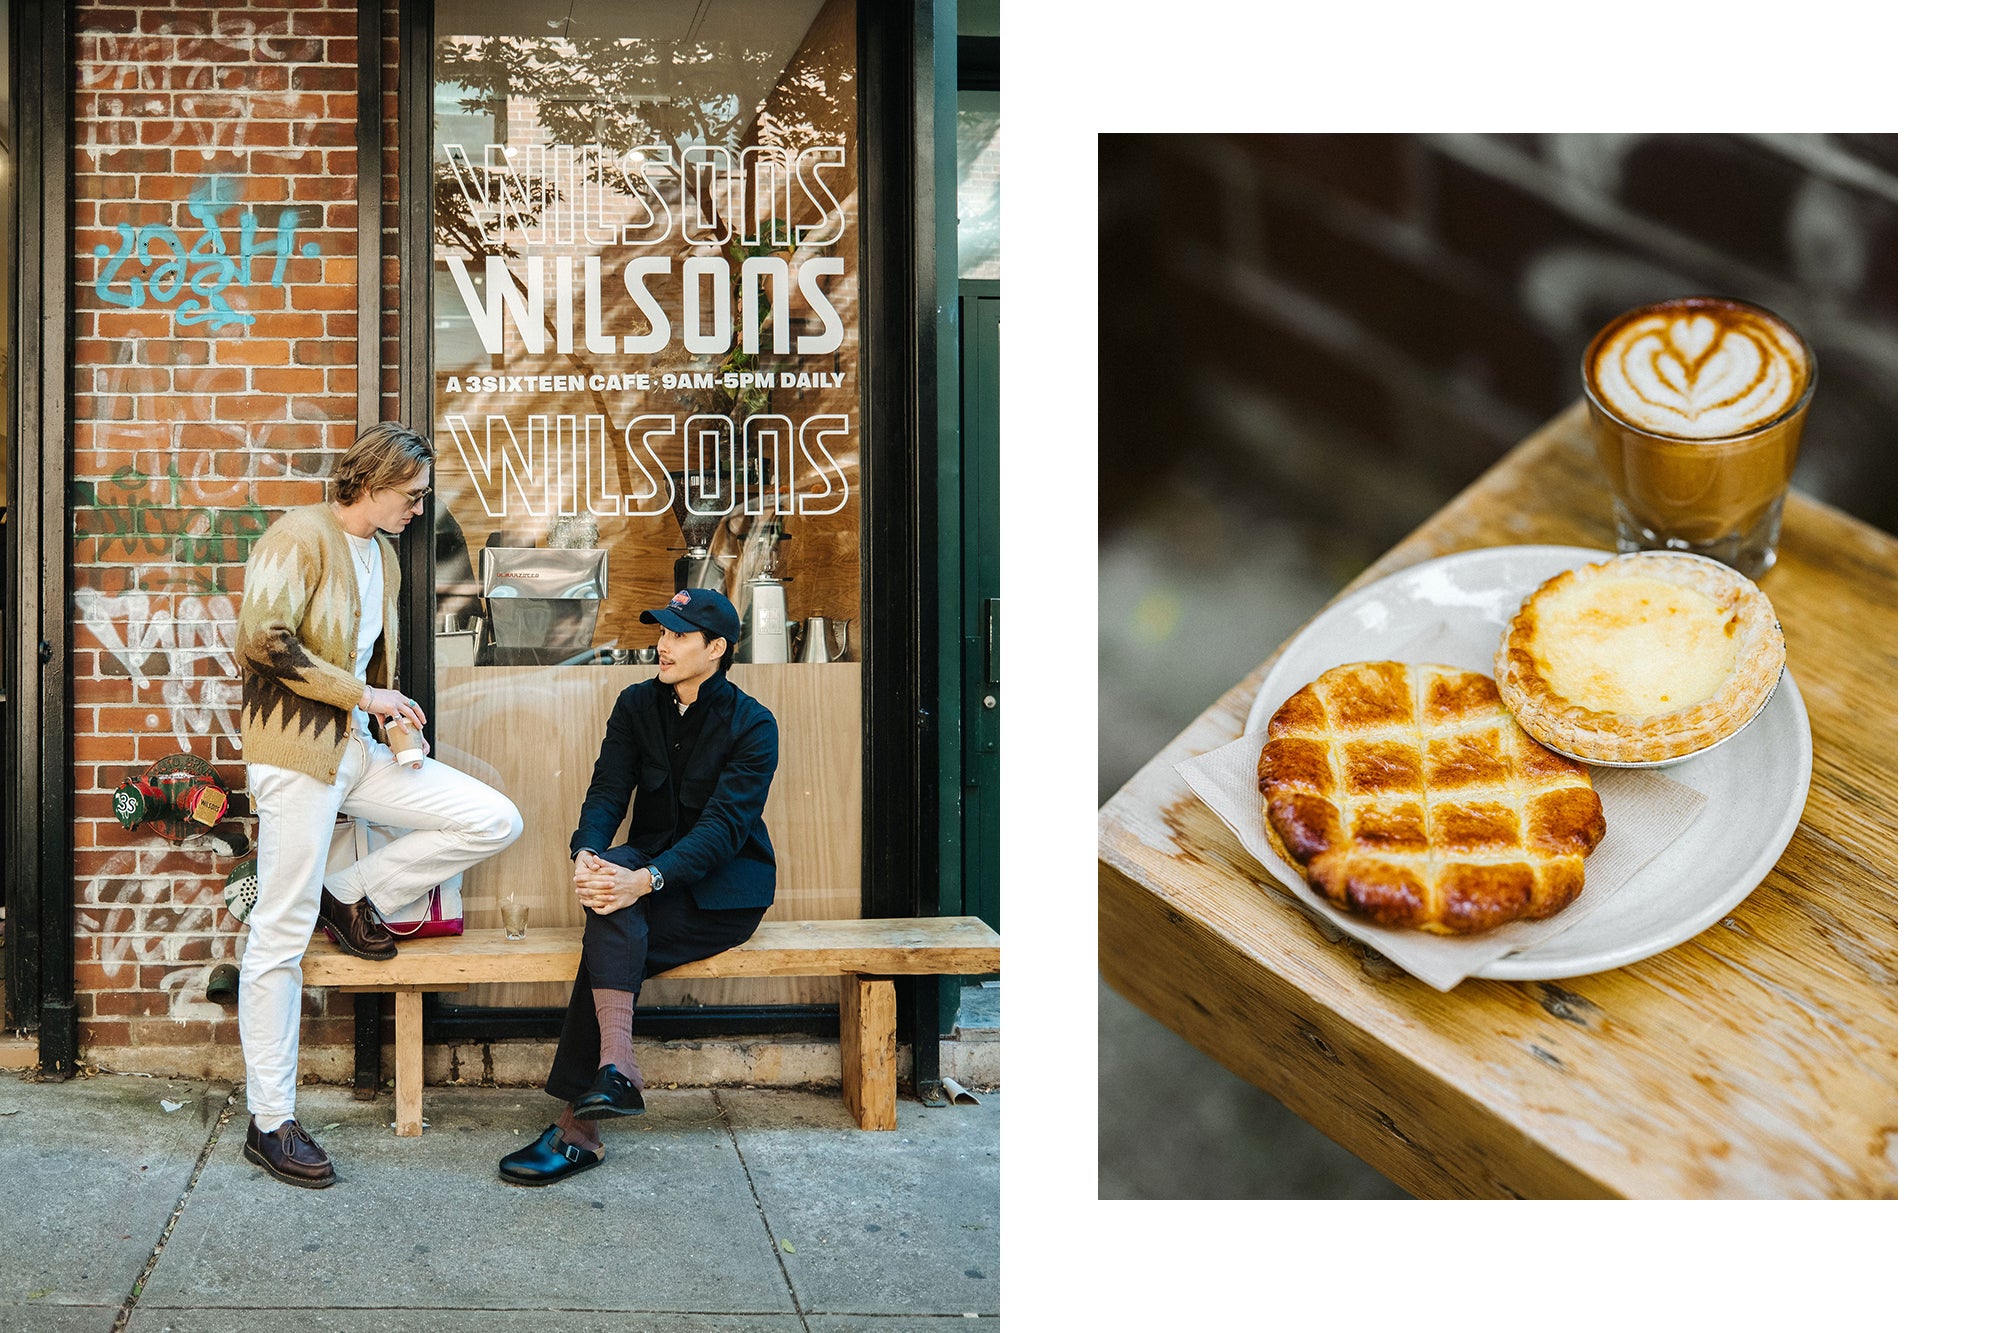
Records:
x=170, y=522
x=153, y=91
x=185, y=635
x=196, y=538
x=197, y=638
x=144, y=97
x=167, y=510
x=136, y=923
x=195, y=279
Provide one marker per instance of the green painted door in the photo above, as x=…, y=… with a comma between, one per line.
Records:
x=979, y=435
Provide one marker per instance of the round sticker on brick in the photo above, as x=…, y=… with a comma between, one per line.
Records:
x=239, y=891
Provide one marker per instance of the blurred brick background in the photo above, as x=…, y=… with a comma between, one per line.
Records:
x=1407, y=307
x=1310, y=342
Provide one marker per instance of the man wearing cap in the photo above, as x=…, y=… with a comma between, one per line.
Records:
x=693, y=757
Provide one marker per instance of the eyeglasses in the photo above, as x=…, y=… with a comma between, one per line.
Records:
x=411, y=498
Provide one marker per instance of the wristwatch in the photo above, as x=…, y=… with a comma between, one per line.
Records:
x=659, y=880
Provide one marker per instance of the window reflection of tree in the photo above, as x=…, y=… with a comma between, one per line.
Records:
x=602, y=94
x=606, y=90
x=602, y=98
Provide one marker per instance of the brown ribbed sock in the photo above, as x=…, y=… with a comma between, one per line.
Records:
x=614, y=1032
x=583, y=1133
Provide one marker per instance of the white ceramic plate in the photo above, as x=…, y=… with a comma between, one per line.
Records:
x=1756, y=784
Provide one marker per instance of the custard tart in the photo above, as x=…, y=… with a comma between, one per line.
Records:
x=1642, y=659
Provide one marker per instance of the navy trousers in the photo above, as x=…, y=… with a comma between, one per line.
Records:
x=622, y=948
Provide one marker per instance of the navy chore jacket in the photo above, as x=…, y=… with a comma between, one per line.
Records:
x=725, y=860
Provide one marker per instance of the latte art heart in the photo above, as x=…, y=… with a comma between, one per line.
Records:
x=1702, y=370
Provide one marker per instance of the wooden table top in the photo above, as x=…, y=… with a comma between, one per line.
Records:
x=1759, y=1059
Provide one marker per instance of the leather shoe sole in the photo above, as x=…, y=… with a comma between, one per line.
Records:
x=303, y=1182
x=547, y=1160
x=340, y=942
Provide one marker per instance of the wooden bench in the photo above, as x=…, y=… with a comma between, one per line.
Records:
x=865, y=955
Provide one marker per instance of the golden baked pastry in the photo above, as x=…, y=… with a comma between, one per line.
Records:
x=1407, y=796
x=1640, y=659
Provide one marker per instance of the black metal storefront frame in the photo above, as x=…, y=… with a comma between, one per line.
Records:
x=41, y=973
x=899, y=584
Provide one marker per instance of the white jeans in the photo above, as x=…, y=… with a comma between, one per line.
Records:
x=457, y=821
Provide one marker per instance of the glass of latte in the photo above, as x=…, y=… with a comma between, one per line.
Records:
x=1696, y=405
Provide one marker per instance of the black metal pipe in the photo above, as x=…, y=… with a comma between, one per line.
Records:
x=900, y=841
x=414, y=383
x=41, y=918
x=473, y=1023
x=367, y=1044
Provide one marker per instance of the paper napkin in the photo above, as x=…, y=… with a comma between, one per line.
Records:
x=1644, y=812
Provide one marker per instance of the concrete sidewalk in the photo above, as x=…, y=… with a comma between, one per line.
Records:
x=719, y=1209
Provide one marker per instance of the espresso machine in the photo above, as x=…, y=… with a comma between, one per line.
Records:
x=540, y=602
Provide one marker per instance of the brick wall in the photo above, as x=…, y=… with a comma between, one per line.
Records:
x=1340, y=332
x=216, y=335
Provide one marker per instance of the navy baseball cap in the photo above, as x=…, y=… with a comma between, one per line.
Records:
x=698, y=609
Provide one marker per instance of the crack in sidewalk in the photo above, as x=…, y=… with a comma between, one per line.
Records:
x=791, y=1288
x=152, y=1260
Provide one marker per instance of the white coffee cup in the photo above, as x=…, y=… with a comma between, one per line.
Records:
x=407, y=741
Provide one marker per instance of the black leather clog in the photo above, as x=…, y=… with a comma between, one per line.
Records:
x=612, y=1094
x=547, y=1160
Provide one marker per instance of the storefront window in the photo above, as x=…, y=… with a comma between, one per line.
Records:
x=978, y=184
x=646, y=296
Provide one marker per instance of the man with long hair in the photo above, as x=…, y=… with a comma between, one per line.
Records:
x=316, y=647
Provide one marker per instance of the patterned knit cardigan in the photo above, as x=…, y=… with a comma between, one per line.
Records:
x=296, y=642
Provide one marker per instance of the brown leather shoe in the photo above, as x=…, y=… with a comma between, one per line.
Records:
x=356, y=928
x=289, y=1154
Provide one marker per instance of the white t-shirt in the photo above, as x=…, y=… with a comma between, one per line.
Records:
x=368, y=575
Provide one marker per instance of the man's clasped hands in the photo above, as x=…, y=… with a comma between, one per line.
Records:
x=603, y=887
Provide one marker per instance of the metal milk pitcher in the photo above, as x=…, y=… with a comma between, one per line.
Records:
x=816, y=648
